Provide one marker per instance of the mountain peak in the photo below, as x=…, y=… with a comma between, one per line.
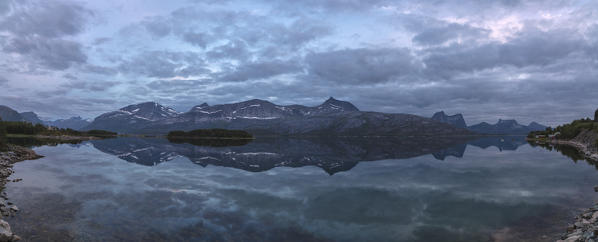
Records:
x=507, y=121
x=31, y=117
x=150, y=111
x=333, y=104
x=456, y=120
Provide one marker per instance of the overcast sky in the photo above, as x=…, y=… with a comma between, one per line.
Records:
x=527, y=60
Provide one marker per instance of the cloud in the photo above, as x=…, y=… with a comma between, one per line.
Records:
x=36, y=30
x=55, y=54
x=197, y=39
x=362, y=66
x=532, y=47
x=234, y=49
x=259, y=70
x=442, y=34
x=46, y=19
x=100, y=69
x=164, y=64
x=3, y=81
x=331, y=5
x=157, y=26
x=4, y=7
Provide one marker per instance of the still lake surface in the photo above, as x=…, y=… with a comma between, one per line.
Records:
x=147, y=189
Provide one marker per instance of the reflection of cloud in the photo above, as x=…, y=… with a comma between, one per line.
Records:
x=90, y=193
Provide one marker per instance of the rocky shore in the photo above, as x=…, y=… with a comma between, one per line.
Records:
x=584, y=142
x=7, y=158
x=585, y=227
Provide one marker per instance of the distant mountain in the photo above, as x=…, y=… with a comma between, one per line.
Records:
x=75, y=123
x=455, y=120
x=536, y=126
x=132, y=117
x=31, y=117
x=260, y=117
x=506, y=127
x=9, y=114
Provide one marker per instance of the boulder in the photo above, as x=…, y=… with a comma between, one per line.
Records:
x=6, y=234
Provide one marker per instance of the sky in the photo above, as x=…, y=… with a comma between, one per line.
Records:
x=528, y=60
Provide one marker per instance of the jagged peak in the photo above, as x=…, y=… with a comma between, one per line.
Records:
x=346, y=105
x=332, y=100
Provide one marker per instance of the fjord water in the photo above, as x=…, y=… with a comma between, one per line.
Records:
x=491, y=189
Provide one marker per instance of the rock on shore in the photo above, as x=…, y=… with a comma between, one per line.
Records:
x=7, y=159
x=585, y=227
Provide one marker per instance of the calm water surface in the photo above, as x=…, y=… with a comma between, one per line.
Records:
x=134, y=189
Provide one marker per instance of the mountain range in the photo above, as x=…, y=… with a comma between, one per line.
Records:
x=9, y=114
x=260, y=117
x=501, y=127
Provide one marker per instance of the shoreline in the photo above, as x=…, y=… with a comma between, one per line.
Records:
x=12, y=155
x=585, y=226
x=579, y=146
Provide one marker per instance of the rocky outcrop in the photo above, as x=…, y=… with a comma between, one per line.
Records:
x=585, y=227
x=7, y=159
x=456, y=120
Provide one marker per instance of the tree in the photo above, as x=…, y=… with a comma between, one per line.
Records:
x=596, y=116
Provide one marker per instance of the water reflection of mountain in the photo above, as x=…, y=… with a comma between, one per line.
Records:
x=332, y=155
x=501, y=142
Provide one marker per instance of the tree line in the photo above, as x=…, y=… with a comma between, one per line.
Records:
x=570, y=130
x=26, y=128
